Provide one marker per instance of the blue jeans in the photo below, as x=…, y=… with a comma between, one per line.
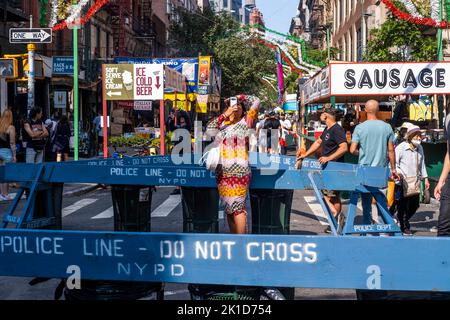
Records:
x=366, y=199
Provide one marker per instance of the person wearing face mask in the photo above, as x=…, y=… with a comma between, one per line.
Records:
x=410, y=162
x=334, y=146
x=401, y=133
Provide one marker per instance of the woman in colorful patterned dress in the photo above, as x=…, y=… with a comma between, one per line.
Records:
x=233, y=174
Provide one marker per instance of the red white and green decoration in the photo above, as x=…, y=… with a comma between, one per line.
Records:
x=428, y=18
x=61, y=14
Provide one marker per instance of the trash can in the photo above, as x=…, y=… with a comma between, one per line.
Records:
x=132, y=207
x=47, y=207
x=271, y=210
x=132, y=212
x=200, y=210
x=201, y=215
x=271, y=214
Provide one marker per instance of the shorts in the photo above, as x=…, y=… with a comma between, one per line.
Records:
x=6, y=155
x=330, y=193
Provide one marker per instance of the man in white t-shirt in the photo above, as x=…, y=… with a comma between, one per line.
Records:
x=261, y=134
x=286, y=126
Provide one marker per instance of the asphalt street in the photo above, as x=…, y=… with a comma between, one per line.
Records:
x=93, y=211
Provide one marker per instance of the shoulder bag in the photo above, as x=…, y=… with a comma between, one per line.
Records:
x=411, y=185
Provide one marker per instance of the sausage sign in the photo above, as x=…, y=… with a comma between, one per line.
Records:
x=389, y=78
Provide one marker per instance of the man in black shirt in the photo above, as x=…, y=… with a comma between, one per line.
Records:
x=334, y=146
x=442, y=190
x=273, y=127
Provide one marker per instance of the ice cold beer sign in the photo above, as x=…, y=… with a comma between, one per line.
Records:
x=389, y=78
x=133, y=81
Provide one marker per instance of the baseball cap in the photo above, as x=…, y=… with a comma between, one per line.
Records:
x=330, y=110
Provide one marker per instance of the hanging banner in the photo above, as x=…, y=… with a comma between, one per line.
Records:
x=202, y=103
x=280, y=75
x=420, y=109
x=350, y=79
x=204, y=65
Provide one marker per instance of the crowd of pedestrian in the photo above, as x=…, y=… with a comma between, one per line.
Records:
x=375, y=145
x=37, y=140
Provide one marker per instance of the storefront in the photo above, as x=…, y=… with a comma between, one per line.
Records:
x=411, y=91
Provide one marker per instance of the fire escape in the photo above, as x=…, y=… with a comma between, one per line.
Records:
x=132, y=19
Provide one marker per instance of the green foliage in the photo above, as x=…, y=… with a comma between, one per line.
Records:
x=244, y=62
x=321, y=56
x=389, y=42
x=121, y=141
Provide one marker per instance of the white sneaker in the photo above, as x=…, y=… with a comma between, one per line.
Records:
x=434, y=229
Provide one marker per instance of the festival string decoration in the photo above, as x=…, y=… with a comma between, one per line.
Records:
x=411, y=8
x=54, y=13
x=43, y=12
x=287, y=57
x=64, y=14
x=414, y=17
x=296, y=40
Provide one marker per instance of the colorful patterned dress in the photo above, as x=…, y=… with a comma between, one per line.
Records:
x=234, y=174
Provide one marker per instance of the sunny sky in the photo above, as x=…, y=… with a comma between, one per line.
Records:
x=278, y=13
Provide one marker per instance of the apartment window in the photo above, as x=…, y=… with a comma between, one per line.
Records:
x=352, y=46
x=344, y=8
x=225, y=3
x=107, y=45
x=358, y=43
x=335, y=17
x=98, y=40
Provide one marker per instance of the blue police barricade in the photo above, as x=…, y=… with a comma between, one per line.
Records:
x=374, y=263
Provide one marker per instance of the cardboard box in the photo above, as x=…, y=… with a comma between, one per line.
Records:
x=116, y=129
x=121, y=120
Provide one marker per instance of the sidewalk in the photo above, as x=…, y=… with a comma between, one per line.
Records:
x=70, y=190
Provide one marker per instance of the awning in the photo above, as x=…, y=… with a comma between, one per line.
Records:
x=290, y=106
x=180, y=96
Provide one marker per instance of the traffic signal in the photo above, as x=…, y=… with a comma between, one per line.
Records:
x=8, y=68
x=38, y=68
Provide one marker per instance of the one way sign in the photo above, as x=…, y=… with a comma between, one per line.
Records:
x=30, y=35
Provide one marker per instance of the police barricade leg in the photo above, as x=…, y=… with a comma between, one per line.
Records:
x=132, y=212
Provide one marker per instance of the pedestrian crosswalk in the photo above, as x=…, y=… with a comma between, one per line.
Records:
x=99, y=208
x=167, y=206
x=108, y=213
x=77, y=206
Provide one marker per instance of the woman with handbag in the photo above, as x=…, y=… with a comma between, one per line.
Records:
x=410, y=163
x=233, y=173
